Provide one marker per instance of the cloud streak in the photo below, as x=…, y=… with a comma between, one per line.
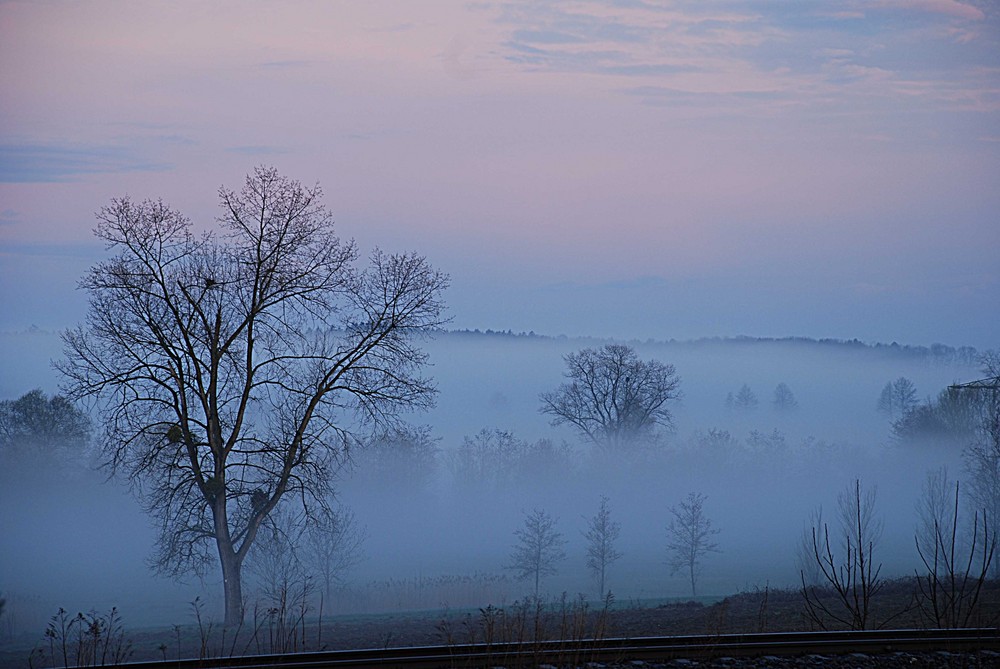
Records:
x=778, y=50
x=40, y=163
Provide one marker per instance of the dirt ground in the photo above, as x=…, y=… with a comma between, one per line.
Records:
x=758, y=611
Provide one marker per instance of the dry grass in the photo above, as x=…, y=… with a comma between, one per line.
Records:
x=759, y=610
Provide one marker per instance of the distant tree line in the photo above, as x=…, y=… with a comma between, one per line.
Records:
x=965, y=355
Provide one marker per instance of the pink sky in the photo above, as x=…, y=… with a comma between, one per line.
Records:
x=602, y=168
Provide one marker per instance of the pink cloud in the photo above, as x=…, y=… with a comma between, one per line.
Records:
x=947, y=7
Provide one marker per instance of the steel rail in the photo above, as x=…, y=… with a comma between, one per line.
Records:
x=533, y=653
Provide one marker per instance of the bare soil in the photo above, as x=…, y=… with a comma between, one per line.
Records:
x=760, y=611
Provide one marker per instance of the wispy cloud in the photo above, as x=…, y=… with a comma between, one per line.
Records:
x=628, y=39
x=686, y=54
x=37, y=162
x=962, y=10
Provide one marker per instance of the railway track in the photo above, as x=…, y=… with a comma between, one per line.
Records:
x=610, y=651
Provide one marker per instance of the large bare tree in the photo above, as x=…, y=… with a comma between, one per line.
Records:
x=612, y=397
x=229, y=368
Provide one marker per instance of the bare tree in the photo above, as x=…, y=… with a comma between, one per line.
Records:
x=401, y=459
x=613, y=398
x=284, y=581
x=982, y=456
x=276, y=562
x=35, y=427
x=601, y=535
x=689, y=537
x=784, y=398
x=539, y=548
x=745, y=398
x=767, y=445
x=717, y=445
x=934, y=511
x=230, y=370
x=849, y=573
x=543, y=461
x=488, y=461
x=804, y=551
x=332, y=546
x=951, y=583
x=897, y=398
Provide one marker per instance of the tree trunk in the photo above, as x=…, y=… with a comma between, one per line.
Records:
x=693, y=593
x=232, y=584
x=232, y=564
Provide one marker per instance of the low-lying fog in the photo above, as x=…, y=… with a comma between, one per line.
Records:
x=432, y=539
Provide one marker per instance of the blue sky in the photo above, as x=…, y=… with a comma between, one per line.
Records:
x=631, y=169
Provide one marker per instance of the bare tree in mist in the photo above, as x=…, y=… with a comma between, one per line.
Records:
x=332, y=546
x=982, y=456
x=538, y=550
x=897, y=398
x=718, y=445
x=934, y=508
x=745, y=398
x=953, y=576
x=763, y=445
x=847, y=567
x=544, y=461
x=402, y=459
x=784, y=398
x=39, y=430
x=689, y=537
x=229, y=369
x=489, y=460
x=277, y=565
x=857, y=513
x=804, y=552
x=613, y=398
x=602, y=534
